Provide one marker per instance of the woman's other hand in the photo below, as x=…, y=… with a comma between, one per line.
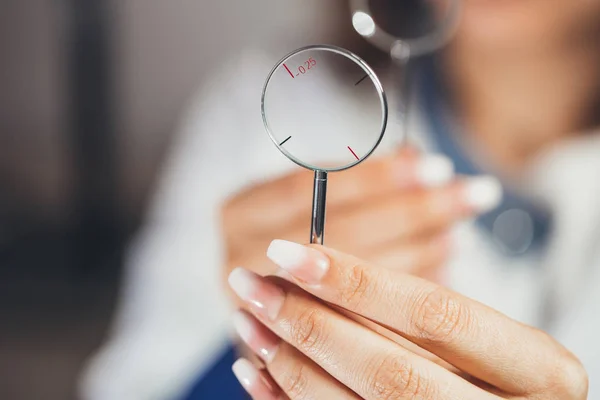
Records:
x=396, y=211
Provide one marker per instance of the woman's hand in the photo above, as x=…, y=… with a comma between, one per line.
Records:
x=457, y=348
x=402, y=207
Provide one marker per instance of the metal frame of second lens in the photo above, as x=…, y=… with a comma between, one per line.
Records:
x=412, y=47
x=363, y=65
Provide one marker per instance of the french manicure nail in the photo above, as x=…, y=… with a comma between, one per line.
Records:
x=246, y=373
x=304, y=263
x=260, y=340
x=265, y=297
x=255, y=382
x=434, y=170
x=482, y=193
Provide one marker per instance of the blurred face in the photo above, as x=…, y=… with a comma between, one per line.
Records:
x=523, y=23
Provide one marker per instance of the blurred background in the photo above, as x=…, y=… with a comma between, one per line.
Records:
x=91, y=93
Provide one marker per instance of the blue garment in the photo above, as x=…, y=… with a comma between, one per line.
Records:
x=218, y=383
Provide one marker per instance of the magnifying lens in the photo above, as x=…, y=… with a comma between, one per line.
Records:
x=406, y=29
x=326, y=110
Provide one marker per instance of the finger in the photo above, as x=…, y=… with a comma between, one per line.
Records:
x=401, y=216
x=256, y=207
x=296, y=375
x=393, y=336
x=475, y=338
x=381, y=330
x=255, y=382
x=400, y=171
x=423, y=257
x=367, y=363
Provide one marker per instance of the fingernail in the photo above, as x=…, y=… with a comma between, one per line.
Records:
x=482, y=193
x=257, y=384
x=260, y=340
x=265, y=297
x=304, y=263
x=246, y=373
x=434, y=170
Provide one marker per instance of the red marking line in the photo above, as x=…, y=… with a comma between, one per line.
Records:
x=353, y=153
x=288, y=70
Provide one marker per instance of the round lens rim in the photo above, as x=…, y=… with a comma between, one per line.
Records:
x=362, y=64
x=426, y=44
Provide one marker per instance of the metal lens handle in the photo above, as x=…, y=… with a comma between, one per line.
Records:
x=317, y=225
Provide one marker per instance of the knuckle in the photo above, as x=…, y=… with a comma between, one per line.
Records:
x=295, y=381
x=439, y=318
x=355, y=286
x=308, y=331
x=394, y=379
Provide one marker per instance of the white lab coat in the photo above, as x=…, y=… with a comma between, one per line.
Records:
x=173, y=316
